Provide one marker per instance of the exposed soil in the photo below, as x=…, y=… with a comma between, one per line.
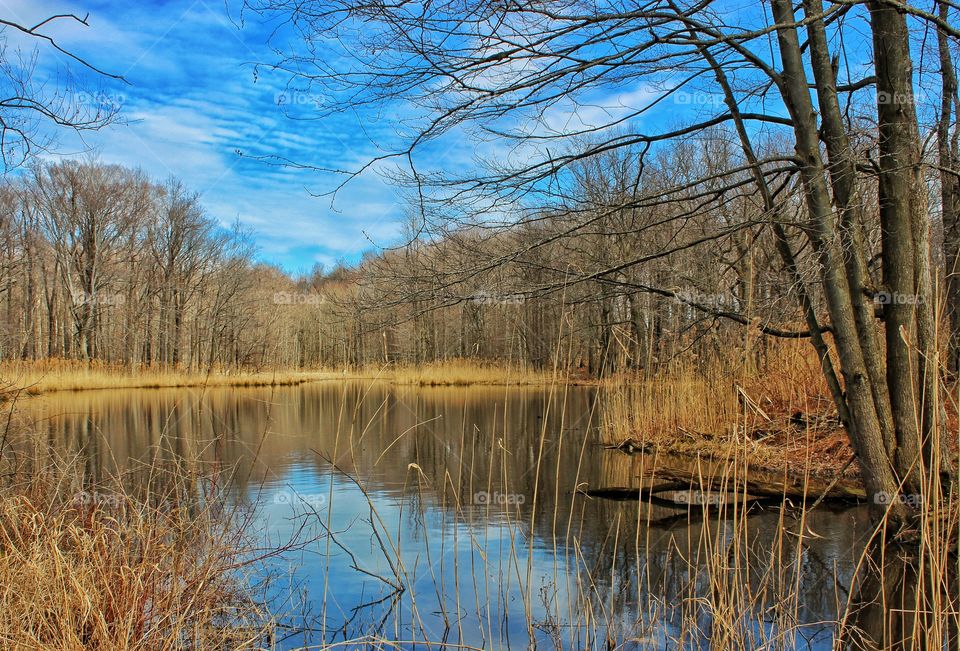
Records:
x=794, y=445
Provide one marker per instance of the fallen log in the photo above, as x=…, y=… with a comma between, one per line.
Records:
x=645, y=493
x=654, y=495
x=714, y=490
x=769, y=485
x=630, y=446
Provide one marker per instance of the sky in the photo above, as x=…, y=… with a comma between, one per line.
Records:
x=194, y=100
x=195, y=105
x=194, y=97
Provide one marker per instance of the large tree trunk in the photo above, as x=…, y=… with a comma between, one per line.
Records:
x=949, y=159
x=848, y=202
x=905, y=232
x=866, y=432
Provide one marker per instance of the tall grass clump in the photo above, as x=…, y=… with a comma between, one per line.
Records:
x=777, y=409
x=464, y=372
x=159, y=566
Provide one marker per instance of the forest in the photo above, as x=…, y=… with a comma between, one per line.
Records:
x=102, y=263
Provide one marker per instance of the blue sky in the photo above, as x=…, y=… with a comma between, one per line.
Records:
x=193, y=100
x=195, y=97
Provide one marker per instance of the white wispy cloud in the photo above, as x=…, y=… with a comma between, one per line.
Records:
x=193, y=102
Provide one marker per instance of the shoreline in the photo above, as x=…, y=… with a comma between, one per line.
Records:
x=50, y=376
x=788, y=443
x=775, y=466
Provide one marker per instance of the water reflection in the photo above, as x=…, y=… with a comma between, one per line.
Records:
x=450, y=514
x=899, y=604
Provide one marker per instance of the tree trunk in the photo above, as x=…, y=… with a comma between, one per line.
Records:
x=905, y=231
x=949, y=159
x=865, y=430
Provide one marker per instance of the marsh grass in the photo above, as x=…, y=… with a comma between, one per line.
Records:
x=465, y=372
x=716, y=396
x=164, y=565
x=44, y=376
x=778, y=413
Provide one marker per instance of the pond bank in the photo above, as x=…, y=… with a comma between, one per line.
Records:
x=47, y=376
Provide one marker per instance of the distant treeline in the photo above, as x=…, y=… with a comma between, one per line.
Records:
x=99, y=262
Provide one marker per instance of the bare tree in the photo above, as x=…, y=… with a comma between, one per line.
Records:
x=183, y=243
x=88, y=211
x=503, y=71
x=33, y=107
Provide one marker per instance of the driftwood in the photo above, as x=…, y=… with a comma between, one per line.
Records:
x=630, y=446
x=771, y=485
x=690, y=490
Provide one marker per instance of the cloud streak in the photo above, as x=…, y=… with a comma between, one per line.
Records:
x=194, y=101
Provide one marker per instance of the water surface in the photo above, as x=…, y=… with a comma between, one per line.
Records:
x=450, y=515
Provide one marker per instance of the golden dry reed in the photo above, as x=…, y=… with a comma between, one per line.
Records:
x=19, y=378
x=35, y=377
x=158, y=567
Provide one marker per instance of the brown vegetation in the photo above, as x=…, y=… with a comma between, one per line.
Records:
x=105, y=567
x=43, y=376
x=777, y=416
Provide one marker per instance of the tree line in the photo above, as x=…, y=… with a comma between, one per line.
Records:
x=98, y=262
x=101, y=263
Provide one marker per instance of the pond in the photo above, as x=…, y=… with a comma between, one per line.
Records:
x=452, y=516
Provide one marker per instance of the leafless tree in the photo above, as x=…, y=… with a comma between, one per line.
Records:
x=34, y=105
x=853, y=164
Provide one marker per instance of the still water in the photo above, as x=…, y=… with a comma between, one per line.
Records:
x=450, y=516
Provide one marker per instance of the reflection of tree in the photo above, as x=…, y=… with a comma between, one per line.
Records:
x=898, y=604
x=495, y=440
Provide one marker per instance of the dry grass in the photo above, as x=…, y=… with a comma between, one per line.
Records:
x=45, y=376
x=772, y=414
x=104, y=569
x=464, y=372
